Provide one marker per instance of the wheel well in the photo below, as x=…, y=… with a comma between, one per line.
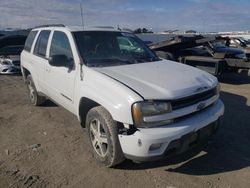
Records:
x=25, y=73
x=85, y=105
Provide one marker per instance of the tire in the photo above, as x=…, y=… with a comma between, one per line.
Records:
x=34, y=97
x=103, y=137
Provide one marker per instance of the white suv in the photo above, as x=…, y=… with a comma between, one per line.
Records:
x=133, y=104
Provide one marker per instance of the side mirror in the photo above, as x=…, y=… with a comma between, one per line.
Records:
x=61, y=61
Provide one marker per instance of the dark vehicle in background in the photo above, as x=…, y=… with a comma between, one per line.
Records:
x=10, y=49
x=215, y=57
x=240, y=43
x=208, y=53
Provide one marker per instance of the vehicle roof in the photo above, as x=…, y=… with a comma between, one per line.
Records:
x=78, y=28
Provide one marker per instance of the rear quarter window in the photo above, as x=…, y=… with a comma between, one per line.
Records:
x=30, y=40
x=41, y=44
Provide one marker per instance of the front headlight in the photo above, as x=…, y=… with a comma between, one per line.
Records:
x=140, y=110
x=4, y=62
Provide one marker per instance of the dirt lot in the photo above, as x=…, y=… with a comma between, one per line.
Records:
x=46, y=147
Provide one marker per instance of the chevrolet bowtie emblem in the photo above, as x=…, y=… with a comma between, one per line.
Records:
x=201, y=106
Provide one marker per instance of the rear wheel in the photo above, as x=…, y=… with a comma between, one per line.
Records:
x=103, y=137
x=34, y=97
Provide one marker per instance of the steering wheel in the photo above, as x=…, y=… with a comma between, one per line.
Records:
x=101, y=48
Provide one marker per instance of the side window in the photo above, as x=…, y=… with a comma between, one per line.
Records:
x=29, y=41
x=41, y=44
x=60, y=45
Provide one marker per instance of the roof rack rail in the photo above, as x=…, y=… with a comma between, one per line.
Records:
x=104, y=27
x=50, y=25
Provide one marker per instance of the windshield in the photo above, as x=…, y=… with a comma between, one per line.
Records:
x=218, y=44
x=105, y=48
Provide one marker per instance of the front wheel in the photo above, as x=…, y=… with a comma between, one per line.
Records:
x=103, y=137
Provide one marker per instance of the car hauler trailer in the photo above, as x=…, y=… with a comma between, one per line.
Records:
x=201, y=52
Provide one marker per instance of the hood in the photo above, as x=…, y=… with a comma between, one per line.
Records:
x=162, y=79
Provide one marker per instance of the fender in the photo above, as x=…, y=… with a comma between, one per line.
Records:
x=109, y=93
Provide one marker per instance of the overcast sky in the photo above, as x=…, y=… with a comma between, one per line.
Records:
x=201, y=15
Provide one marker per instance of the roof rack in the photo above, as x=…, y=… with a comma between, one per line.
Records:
x=50, y=25
x=104, y=27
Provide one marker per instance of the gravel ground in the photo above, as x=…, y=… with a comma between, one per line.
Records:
x=46, y=147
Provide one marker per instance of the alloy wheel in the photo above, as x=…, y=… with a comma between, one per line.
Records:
x=98, y=138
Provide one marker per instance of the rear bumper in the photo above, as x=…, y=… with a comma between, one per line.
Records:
x=160, y=142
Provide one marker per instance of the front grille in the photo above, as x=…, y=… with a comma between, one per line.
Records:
x=182, y=118
x=191, y=100
x=16, y=63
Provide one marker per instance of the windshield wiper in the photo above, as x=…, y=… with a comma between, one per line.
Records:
x=108, y=62
x=115, y=61
x=126, y=61
x=147, y=59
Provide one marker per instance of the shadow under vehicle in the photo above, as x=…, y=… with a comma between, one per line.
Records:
x=204, y=52
x=10, y=49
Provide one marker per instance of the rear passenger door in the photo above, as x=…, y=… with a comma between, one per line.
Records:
x=39, y=59
x=60, y=78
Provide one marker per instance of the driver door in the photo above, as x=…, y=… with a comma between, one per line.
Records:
x=60, y=79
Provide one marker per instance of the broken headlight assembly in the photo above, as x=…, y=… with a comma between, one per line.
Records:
x=142, y=110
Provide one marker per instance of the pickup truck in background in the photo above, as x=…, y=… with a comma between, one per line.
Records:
x=239, y=43
x=133, y=104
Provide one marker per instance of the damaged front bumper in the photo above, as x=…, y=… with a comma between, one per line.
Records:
x=147, y=144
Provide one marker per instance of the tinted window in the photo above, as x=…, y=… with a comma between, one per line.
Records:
x=60, y=45
x=105, y=48
x=29, y=40
x=41, y=44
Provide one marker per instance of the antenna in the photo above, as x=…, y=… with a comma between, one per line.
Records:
x=82, y=16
